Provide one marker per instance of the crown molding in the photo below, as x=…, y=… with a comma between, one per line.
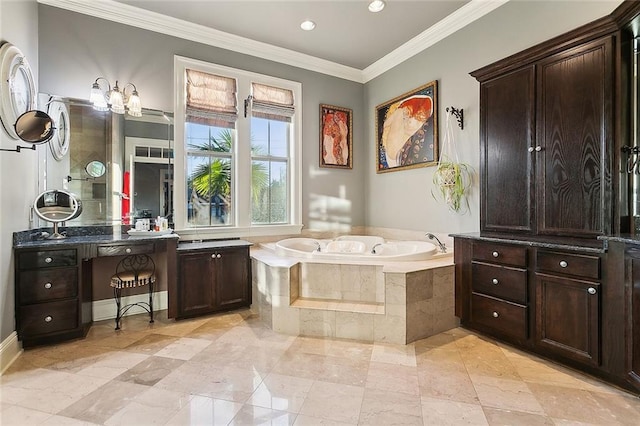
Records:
x=129, y=15
x=459, y=19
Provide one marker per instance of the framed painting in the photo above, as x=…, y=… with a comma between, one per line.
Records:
x=407, y=130
x=336, y=137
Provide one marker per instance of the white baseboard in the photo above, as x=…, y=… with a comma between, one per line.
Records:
x=10, y=349
x=106, y=308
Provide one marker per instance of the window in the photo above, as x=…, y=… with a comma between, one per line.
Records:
x=237, y=172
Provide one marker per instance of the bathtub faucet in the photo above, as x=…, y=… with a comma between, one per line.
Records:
x=373, y=249
x=443, y=248
x=319, y=248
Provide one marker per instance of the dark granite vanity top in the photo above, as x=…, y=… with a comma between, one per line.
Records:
x=212, y=244
x=587, y=245
x=81, y=235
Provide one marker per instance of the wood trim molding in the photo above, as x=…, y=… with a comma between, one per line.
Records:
x=10, y=349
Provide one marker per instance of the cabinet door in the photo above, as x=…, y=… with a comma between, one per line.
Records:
x=196, y=294
x=632, y=335
x=507, y=114
x=568, y=317
x=233, y=282
x=575, y=97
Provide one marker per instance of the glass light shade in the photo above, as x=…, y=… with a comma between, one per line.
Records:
x=97, y=98
x=134, y=105
x=376, y=6
x=116, y=101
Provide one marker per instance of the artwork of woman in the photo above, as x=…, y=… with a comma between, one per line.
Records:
x=335, y=149
x=403, y=131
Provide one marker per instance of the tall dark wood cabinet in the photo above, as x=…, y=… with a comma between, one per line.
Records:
x=545, y=130
x=539, y=274
x=213, y=276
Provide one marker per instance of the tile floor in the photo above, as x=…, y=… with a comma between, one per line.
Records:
x=229, y=369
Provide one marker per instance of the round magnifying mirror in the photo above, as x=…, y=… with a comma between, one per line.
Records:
x=34, y=127
x=95, y=169
x=57, y=206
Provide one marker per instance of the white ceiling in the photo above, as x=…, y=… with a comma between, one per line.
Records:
x=346, y=32
x=348, y=42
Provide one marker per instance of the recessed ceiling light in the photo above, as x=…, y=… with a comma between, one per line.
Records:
x=376, y=6
x=308, y=25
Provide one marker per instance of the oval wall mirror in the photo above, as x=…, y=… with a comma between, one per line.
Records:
x=95, y=169
x=34, y=127
x=57, y=206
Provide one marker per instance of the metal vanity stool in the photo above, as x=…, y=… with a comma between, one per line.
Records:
x=133, y=271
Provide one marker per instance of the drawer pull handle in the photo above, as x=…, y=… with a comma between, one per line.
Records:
x=218, y=255
x=495, y=254
x=538, y=148
x=563, y=264
x=48, y=318
x=48, y=260
x=127, y=250
x=592, y=290
x=213, y=256
x=495, y=281
x=495, y=314
x=47, y=286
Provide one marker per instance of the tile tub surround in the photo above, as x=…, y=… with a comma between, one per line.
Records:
x=395, y=303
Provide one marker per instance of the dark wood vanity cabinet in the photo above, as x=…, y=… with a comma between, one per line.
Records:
x=567, y=305
x=50, y=297
x=213, y=278
x=539, y=274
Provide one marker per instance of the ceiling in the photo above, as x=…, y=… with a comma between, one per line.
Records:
x=348, y=42
x=346, y=32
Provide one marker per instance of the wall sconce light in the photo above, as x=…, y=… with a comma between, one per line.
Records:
x=114, y=99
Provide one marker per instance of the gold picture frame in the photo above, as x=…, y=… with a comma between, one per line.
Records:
x=407, y=130
x=336, y=137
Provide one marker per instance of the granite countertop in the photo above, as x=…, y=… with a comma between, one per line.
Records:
x=212, y=244
x=598, y=245
x=82, y=235
x=624, y=238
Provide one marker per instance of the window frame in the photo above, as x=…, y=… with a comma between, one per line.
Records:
x=241, y=178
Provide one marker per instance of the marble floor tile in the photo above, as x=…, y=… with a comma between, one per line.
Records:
x=202, y=410
x=150, y=371
x=444, y=413
x=394, y=354
x=390, y=408
x=282, y=393
x=497, y=417
x=505, y=394
x=250, y=415
x=579, y=405
x=230, y=369
x=331, y=401
x=151, y=343
x=184, y=348
x=394, y=378
x=101, y=404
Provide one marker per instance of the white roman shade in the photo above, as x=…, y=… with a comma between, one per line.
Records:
x=272, y=103
x=211, y=99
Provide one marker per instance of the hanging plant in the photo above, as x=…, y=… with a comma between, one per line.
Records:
x=452, y=179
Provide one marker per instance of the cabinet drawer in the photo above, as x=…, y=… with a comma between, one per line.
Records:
x=505, y=317
x=41, y=285
x=500, y=253
x=47, y=258
x=570, y=264
x=50, y=317
x=500, y=281
x=125, y=249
